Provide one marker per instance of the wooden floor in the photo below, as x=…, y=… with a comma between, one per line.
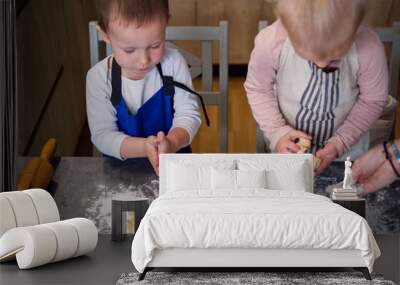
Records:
x=241, y=124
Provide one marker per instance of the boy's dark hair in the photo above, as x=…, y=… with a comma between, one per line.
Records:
x=138, y=11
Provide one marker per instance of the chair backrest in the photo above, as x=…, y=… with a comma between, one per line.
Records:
x=204, y=65
x=261, y=144
x=387, y=35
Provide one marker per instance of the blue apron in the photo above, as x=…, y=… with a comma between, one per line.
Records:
x=155, y=115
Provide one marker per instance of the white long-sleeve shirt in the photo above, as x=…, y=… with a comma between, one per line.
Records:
x=102, y=115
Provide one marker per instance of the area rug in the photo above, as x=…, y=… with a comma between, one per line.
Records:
x=244, y=278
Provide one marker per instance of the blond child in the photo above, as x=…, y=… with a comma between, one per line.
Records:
x=133, y=107
x=318, y=73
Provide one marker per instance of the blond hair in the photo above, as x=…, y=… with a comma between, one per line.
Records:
x=321, y=26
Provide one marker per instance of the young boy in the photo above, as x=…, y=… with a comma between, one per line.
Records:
x=133, y=107
x=316, y=73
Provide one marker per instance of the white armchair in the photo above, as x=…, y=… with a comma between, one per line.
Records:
x=31, y=231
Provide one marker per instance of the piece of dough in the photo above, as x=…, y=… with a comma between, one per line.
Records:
x=304, y=145
x=317, y=162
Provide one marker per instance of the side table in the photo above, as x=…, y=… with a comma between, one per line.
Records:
x=357, y=206
x=118, y=207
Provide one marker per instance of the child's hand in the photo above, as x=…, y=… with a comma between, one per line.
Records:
x=326, y=154
x=373, y=171
x=155, y=145
x=287, y=144
x=152, y=152
x=165, y=145
x=367, y=164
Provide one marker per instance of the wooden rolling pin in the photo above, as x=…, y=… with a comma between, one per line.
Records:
x=38, y=171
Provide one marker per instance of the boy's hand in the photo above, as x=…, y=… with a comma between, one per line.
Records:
x=326, y=154
x=155, y=145
x=152, y=152
x=165, y=145
x=287, y=144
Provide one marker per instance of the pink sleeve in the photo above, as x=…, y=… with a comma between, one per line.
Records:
x=373, y=83
x=262, y=70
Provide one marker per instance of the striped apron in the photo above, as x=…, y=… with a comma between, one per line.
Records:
x=317, y=101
